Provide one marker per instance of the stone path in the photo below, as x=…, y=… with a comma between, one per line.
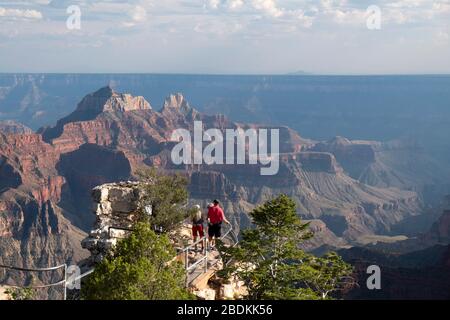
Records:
x=196, y=277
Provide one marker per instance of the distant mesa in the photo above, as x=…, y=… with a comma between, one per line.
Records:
x=106, y=99
x=103, y=100
x=299, y=73
x=339, y=141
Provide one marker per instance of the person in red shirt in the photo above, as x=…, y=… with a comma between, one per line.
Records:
x=215, y=219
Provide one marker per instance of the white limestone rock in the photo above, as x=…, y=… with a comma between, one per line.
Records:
x=206, y=294
x=114, y=205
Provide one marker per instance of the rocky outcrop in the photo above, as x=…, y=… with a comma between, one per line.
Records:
x=94, y=104
x=9, y=176
x=35, y=234
x=355, y=157
x=402, y=163
x=107, y=100
x=12, y=127
x=318, y=162
x=222, y=289
x=114, y=206
x=176, y=103
x=324, y=238
x=212, y=185
x=34, y=228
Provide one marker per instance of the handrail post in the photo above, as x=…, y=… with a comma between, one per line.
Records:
x=205, y=253
x=65, y=281
x=186, y=265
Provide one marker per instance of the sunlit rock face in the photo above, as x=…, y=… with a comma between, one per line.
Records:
x=35, y=229
x=115, y=206
x=12, y=127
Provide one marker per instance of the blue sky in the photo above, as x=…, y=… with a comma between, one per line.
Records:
x=226, y=36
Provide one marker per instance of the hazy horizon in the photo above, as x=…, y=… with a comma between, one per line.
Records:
x=250, y=37
x=308, y=74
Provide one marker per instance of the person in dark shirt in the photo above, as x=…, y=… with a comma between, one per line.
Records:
x=215, y=219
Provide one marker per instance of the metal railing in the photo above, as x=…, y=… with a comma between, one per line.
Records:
x=65, y=281
x=188, y=268
x=59, y=282
x=205, y=256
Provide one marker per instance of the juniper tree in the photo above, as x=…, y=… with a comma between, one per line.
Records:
x=139, y=267
x=166, y=195
x=271, y=263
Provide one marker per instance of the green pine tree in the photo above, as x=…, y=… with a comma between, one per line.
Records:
x=271, y=263
x=140, y=267
x=166, y=195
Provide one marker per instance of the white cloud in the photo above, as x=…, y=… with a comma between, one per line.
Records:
x=269, y=7
x=235, y=4
x=398, y=16
x=138, y=14
x=407, y=3
x=332, y=4
x=41, y=2
x=305, y=20
x=441, y=7
x=226, y=4
x=281, y=27
x=20, y=14
x=214, y=4
x=109, y=7
x=218, y=28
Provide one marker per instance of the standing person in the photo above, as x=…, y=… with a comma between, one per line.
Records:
x=197, y=225
x=215, y=219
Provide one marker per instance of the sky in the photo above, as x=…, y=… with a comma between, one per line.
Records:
x=226, y=36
